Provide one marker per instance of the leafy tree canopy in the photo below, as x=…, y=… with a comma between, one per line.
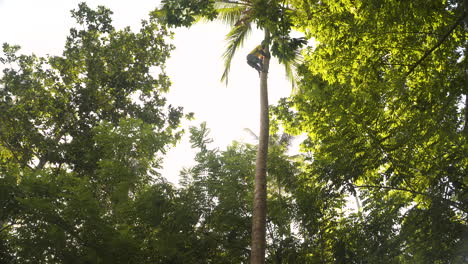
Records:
x=383, y=102
x=79, y=137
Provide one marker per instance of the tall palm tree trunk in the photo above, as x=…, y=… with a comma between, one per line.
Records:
x=260, y=192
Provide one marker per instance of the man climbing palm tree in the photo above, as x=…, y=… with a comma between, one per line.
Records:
x=255, y=58
x=271, y=17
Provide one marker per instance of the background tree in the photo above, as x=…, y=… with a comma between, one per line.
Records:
x=79, y=139
x=220, y=182
x=383, y=101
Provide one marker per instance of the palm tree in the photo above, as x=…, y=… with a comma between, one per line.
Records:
x=271, y=16
x=238, y=15
x=268, y=15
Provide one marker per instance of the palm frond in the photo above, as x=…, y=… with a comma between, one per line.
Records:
x=235, y=38
x=226, y=4
x=290, y=67
x=229, y=12
x=251, y=133
x=232, y=15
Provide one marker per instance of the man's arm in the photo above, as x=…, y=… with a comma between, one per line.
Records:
x=263, y=53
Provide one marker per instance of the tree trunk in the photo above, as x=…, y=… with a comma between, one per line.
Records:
x=260, y=192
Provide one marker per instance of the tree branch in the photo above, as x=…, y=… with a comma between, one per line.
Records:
x=14, y=155
x=437, y=45
x=6, y=227
x=43, y=159
x=454, y=204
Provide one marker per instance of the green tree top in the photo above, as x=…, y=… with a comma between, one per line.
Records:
x=81, y=137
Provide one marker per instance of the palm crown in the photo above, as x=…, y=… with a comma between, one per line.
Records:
x=273, y=17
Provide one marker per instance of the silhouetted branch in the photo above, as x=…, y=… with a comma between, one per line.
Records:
x=444, y=37
x=6, y=227
x=454, y=204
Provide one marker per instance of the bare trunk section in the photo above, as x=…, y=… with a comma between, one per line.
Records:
x=260, y=192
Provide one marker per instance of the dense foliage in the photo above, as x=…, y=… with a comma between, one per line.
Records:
x=78, y=139
x=383, y=102
x=382, y=176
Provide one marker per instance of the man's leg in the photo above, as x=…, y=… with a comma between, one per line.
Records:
x=254, y=62
x=259, y=63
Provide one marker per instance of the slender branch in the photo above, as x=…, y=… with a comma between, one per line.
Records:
x=454, y=204
x=399, y=32
x=270, y=232
x=396, y=64
x=316, y=12
x=437, y=45
x=6, y=227
x=43, y=159
x=390, y=188
x=14, y=155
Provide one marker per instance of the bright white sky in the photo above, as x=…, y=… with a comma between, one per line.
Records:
x=195, y=67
